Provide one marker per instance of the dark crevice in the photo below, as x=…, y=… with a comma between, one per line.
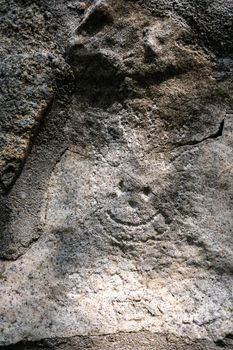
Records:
x=99, y=16
x=220, y=343
x=215, y=135
x=158, y=77
x=229, y=336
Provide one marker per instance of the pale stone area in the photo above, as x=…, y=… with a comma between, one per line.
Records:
x=112, y=261
x=121, y=220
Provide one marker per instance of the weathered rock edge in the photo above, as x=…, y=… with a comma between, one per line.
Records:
x=123, y=341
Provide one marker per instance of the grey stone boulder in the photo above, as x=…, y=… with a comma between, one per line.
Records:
x=119, y=225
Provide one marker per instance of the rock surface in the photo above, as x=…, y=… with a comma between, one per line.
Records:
x=30, y=65
x=117, y=196
x=122, y=341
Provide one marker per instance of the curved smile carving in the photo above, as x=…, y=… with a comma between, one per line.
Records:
x=129, y=223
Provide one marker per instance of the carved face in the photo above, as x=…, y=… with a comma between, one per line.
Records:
x=138, y=210
x=125, y=202
x=127, y=194
x=133, y=107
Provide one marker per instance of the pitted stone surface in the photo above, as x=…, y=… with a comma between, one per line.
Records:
x=31, y=66
x=131, y=226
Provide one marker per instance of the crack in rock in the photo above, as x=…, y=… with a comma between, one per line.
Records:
x=215, y=135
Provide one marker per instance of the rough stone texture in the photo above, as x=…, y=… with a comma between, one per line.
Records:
x=31, y=67
x=122, y=341
x=121, y=219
